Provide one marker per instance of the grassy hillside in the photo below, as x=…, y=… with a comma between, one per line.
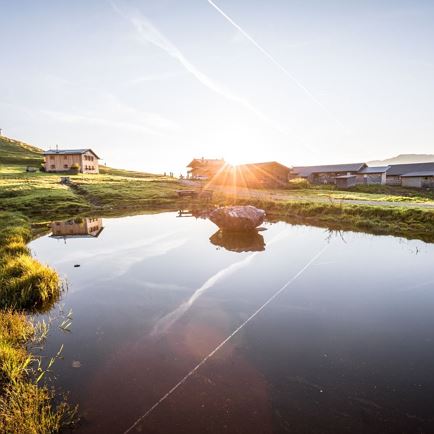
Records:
x=13, y=152
x=15, y=155
x=40, y=195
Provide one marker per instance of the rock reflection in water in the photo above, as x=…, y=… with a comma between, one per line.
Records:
x=250, y=241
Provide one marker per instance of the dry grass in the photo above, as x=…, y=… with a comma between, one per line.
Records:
x=25, y=285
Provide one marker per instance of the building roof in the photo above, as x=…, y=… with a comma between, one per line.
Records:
x=306, y=171
x=69, y=152
x=377, y=169
x=402, y=169
x=262, y=165
x=416, y=174
x=199, y=161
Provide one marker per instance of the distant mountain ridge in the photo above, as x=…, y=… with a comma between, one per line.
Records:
x=404, y=159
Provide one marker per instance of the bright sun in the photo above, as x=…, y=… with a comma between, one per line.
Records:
x=235, y=158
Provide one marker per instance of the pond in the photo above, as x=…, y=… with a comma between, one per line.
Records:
x=178, y=329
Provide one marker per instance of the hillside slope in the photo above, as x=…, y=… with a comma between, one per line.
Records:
x=404, y=159
x=14, y=152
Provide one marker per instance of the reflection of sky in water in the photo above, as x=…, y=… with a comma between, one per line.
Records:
x=358, y=325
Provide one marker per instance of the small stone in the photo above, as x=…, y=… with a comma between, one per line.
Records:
x=76, y=364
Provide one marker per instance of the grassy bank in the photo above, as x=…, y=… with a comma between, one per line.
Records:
x=41, y=194
x=411, y=223
x=25, y=286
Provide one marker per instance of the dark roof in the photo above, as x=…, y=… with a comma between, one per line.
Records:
x=306, y=171
x=266, y=164
x=69, y=152
x=378, y=169
x=401, y=169
x=200, y=161
x=417, y=174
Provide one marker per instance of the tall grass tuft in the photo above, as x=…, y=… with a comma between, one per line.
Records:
x=26, y=285
x=27, y=408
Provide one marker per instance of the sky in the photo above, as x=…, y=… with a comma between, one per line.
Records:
x=150, y=84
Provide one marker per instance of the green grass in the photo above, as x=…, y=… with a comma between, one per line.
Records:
x=104, y=170
x=13, y=152
x=26, y=285
x=385, y=193
x=25, y=407
x=411, y=223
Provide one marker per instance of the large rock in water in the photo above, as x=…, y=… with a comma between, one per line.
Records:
x=237, y=218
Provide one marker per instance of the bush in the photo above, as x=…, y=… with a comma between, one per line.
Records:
x=75, y=166
x=299, y=184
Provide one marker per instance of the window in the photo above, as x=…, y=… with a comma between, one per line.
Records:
x=65, y=166
x=53, y=166
x=51, y=157
x=65, y=157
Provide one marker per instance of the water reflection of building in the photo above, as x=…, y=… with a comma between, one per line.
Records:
x=77, y=228
x=250, y=241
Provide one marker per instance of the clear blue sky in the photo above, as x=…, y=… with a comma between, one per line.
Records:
x=150, y=84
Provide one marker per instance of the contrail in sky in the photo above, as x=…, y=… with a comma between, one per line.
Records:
x=150, y=34
x=270, y=57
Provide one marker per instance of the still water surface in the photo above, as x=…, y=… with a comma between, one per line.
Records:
x=346, y=346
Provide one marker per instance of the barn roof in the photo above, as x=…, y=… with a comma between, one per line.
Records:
x=200, y=161
x=377, y=169
x=416, y=174
x=402, y=169
x=265, y=164
x=330, y=168
x=69, y=152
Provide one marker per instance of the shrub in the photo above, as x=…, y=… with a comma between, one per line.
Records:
x=299, y=184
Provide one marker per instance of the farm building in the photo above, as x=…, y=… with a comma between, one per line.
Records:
x=271, y=174
x=372, y=175
x=77, y=228
x=327, y=174
x=63, y=160
x=346, y=181
x=202, y=168
x=418, y=179
x=396, y=172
